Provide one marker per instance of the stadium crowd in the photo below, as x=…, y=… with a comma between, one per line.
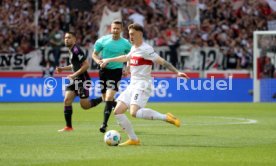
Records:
x=222, y=24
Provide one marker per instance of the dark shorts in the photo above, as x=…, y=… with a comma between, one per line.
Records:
x=109, y=79
x=80, y=87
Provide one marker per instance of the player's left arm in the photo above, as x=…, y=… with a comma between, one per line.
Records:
x=122, y=58
x=84, y=67
x=170, y=67
x=126, y=71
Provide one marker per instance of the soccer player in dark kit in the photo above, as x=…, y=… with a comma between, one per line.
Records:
x=79, y=80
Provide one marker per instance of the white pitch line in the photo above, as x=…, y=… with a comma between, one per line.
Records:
x=241, y=121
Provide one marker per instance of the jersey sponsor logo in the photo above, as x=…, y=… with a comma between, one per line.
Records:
x=138, y=61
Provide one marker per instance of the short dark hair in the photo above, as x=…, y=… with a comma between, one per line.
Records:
x=117, y=22
x=136, y=27
x=71, y=33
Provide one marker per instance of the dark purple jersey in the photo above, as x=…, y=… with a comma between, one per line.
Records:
x=77, y=57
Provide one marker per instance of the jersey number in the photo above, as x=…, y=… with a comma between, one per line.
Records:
x=136, y=97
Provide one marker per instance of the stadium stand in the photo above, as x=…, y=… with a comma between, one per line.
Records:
x=227, y=25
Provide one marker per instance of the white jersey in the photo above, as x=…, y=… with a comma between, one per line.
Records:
x=141, y=60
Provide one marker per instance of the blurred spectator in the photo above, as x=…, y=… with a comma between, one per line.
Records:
x=232, y=60
x=265, y=68
x=56, y=41
x=137, y=17
x=260, y=64
x=48, y=69
x=173, y=39
x=268, y=70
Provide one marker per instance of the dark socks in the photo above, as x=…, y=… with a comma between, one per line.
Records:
x=68, y=111
x=114, y=104
x=107, y=111
x=96, y=101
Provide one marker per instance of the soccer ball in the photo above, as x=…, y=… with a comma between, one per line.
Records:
x=112, y=138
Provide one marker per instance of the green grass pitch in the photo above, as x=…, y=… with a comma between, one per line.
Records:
x=212, y=134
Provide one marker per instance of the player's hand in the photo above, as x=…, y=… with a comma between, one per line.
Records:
x=100, y=62
x=104, y=63
x=58, y=70
x=125, y=73
x=180, y=74
x=71, y=77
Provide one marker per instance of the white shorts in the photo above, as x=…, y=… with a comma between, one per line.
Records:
x=134, y=96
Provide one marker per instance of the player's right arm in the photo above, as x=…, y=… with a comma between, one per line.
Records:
x=95, y=57
x=64, y=68
x=122, y=58
x=98, y=47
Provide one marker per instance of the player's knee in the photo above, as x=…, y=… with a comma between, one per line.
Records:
x=118, y=111
x=133, y=114
x=120, y=108
x=109, y=98
x=67, y=101
x=84, y=106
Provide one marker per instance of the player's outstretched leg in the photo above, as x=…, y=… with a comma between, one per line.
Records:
x=125, y=124
x=87, y=103
x=147, y=113
x=127, y=127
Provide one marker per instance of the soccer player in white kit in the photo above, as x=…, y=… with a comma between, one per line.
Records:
x=141, y=58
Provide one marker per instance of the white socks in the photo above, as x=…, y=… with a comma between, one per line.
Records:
x=147, y=113
x=144, y=113
x=126, y=125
